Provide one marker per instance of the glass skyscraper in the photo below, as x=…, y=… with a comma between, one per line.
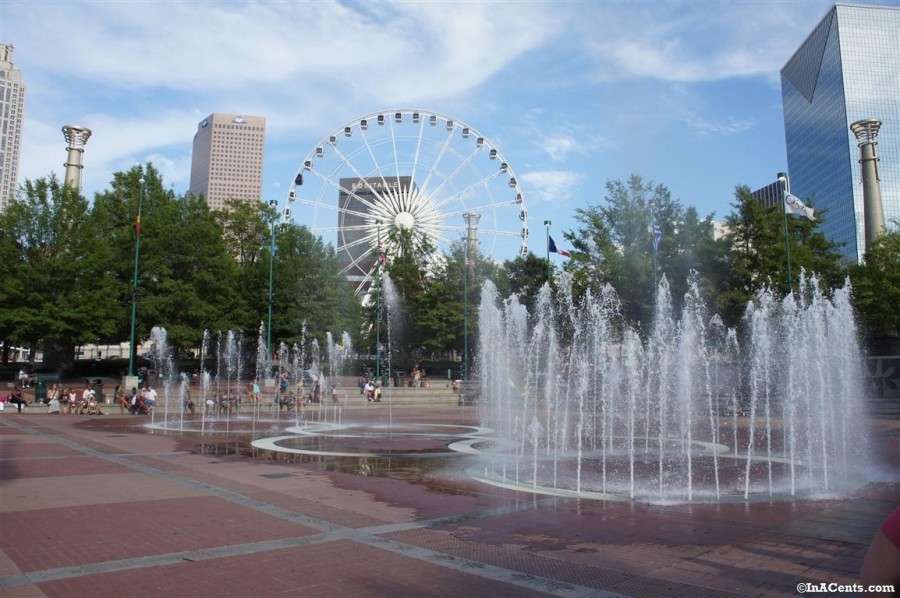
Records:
x=848, y=69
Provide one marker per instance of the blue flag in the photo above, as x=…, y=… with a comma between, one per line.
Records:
x=657, y=237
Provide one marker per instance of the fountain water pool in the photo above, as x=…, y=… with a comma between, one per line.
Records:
x=581, y=405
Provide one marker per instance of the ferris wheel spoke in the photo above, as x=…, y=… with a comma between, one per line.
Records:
x=459, y=169
x=437, y=160
x=395, y=171
x=467, y=190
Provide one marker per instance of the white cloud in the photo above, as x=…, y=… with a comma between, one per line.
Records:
x=696, y=41
x=729, y=126
x=554, y=186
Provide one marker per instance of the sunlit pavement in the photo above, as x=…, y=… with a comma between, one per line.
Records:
x=102, y=506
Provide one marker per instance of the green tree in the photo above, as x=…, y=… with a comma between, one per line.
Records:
x=309, y=289
x=614, y=245
x=758, y=255
x=187, y=280
x=876, y=288
x=524, y=276
x=244, y=228
x=55, y=287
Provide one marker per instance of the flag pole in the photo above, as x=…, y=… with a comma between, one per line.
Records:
x=783, y=182
x=547, y=224
x=653, y=232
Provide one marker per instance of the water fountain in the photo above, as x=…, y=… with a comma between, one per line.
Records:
x=581, y=405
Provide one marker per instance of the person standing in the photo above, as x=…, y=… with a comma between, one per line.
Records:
x=149, y=398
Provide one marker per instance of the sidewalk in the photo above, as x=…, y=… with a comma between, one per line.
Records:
x=100, y=506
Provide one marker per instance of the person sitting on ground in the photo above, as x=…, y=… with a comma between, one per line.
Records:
x=53, y=393
x=119, y=395
x=134, y=401
x=91, y=406
x=376, y=395
x=18, y=398
x=88, y=397
x=77, y=405
x=54, y=406
x=149, y=398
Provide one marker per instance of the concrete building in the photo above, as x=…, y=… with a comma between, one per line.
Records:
x=847, y=70
x=12, y=114
x=227, y=158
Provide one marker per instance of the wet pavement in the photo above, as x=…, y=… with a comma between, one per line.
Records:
x=102, y=506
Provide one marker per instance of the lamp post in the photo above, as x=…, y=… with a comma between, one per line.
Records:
x=653, y=228
x=274, y=205
x=471, y=219
x=378, y=275
x=866, y=132
x=134, y=284
x=547, y=224
x=783, y=191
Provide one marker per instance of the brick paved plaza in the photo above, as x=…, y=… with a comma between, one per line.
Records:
x=102, y=506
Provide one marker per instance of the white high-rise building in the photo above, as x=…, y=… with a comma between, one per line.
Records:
x=227, y=158
x=12, y=114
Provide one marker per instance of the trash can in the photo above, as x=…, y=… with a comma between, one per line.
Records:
x=40, y=392
x=398, y=378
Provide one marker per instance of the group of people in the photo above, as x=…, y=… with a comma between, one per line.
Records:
x=70, y=400
x=419, y=377
x=137, y=402
x=372, y=392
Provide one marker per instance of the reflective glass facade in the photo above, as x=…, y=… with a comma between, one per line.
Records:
x=848, y=69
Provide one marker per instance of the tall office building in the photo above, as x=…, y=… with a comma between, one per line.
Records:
x=847, y=70
x=227, y=159
x=12, y=112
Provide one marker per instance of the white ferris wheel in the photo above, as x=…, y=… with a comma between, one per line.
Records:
x=414, y=172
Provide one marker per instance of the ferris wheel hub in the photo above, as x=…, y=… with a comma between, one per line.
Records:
x=404, y=221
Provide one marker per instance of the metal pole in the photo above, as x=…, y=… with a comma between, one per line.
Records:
x=465, y=372
x=471, y=219
x=782, y=178
x=273, y=204
x=547, y=224
x=653, y=225
x=134, y=283
x=379, y=267
x=866, y=131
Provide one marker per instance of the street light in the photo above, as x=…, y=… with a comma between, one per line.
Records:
x=547, y=224
x=653, y=228
x=378, y=275
x=134, y=284
x=783, y=190
x=274, y=205
x=471, y=219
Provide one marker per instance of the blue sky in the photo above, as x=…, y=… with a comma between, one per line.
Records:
x=686, y=94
